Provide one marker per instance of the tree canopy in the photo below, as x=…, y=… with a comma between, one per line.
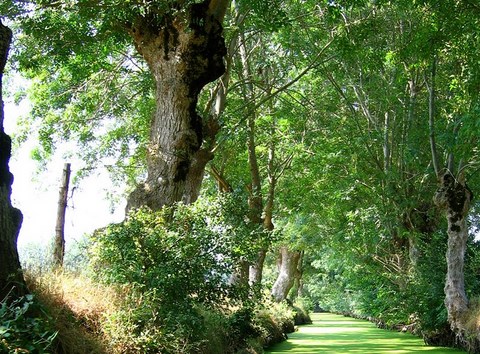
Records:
x=333, y=147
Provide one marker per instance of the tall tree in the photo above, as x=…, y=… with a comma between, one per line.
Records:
x=11, y=278
x=454, y=108
x=182, y=44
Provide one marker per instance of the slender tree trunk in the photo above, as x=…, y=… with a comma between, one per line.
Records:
x=454, y=198
x=386, y=143
x=431, y=118
x=59, y=247
x=184, y=54
x=255, y=201
x=413, y=251
x=256, y=269
x=223, y=185
x=240, y=274
x=287, y=272
x=11, y=277
x=298, y=282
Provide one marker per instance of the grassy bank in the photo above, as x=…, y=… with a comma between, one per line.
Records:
x=337, y=334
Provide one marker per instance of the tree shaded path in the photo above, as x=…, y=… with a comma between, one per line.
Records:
x=337, y=334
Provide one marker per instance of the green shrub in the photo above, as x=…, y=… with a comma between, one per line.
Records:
x=171, y=251
x=216, y=333
x=270, y=331
x=301, y=316
x=242, y=326
x=172, y=262
x=183, y=252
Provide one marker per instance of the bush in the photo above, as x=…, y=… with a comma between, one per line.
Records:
x=160, y=284
x=301, y=315
x=179, y=251
x=273, y=321
x=173, y=262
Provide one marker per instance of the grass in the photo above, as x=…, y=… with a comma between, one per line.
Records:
x=337, y=334
x=78, y=306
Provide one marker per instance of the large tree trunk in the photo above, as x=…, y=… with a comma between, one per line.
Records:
x=11, y=278
x=454, y=198
x=184, y=54
x=288, y=264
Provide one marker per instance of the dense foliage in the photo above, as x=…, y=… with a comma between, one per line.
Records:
x=336, y=120
x=175, y=268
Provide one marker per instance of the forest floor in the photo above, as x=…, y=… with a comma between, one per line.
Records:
x=331, y=333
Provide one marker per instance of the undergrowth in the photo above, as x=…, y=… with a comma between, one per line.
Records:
x=73, y=314
x=156, y=283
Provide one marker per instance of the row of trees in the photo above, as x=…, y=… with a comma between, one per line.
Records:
x=339, y=122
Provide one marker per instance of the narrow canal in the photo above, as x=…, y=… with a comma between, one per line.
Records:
x=338, y=334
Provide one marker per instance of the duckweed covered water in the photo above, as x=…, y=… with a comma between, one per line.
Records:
x=338, y=334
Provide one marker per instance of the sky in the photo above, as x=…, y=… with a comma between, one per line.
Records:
x=36, y=193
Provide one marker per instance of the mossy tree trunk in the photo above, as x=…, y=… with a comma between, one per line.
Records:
x=11, y=278
x=454, y=198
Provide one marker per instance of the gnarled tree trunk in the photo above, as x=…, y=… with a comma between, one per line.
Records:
x=184, y=53
x=454, y=198
x=11, y=278
x=288, y=264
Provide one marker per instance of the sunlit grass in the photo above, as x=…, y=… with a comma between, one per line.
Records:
x=78, y=306
x=337, y=334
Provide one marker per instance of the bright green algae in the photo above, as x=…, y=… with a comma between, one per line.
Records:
x=337, y=334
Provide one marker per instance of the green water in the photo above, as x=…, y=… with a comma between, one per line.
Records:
x=337, y=334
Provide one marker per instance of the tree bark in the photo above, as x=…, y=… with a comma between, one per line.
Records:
x=256, y=269
x=298, y=281
x=287, y=271
x=11, y=277
x=255, y=199
x=184, y=54
x=59, y=247
x=454, y=198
